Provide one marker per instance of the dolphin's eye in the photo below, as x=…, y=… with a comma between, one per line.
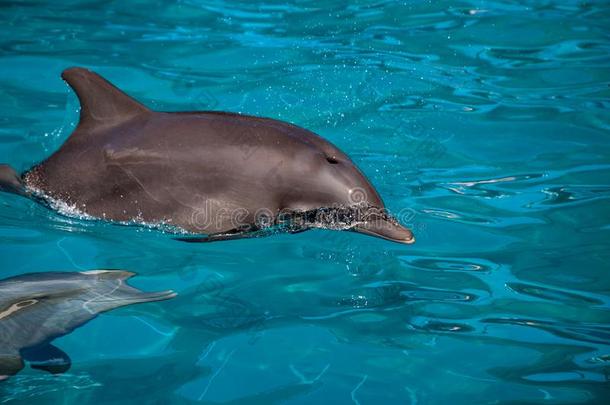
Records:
x=332, y=160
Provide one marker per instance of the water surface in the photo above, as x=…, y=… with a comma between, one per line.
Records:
x=489, y=119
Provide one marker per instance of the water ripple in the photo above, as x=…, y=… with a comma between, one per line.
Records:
x=486, y=121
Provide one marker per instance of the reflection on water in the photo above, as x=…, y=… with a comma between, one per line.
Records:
x=488, y=120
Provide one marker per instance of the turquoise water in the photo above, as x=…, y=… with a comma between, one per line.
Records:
x=489, y=119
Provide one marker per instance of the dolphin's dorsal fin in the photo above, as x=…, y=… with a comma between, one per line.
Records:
x=102, y=104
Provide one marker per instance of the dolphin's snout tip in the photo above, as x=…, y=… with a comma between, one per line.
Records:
x=404, y=236
x=409, y=240
x=386, y=229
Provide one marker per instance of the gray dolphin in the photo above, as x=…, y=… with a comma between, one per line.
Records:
x=39, y=307
x=220, y=174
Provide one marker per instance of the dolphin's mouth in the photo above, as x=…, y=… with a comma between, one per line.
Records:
x=363, y=219
x=132, y=295
x=367, y=220
x=386, y=229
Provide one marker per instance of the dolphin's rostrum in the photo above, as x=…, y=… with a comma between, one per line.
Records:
x=36, y=308
x=220, y=174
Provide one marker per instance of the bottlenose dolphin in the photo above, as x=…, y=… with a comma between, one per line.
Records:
x=224, y=175
x=39, y=307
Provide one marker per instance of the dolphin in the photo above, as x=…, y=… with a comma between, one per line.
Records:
x=36, y=308
x=218, y=174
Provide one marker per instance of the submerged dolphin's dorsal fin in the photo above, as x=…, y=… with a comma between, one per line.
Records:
x=10, y=181
x=102, y=104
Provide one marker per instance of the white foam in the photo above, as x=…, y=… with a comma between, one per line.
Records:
x=73, y=211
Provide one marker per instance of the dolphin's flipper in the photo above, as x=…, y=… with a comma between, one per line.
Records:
x=246, y=231
x=10, y=181
x=10, y=364
x=48, y=358
x=217, y=237
x=102, y=104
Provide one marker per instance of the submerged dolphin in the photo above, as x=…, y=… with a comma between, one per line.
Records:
x=220, y=174
x=39, y=307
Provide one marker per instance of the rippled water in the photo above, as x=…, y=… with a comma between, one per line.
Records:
x=489, y=119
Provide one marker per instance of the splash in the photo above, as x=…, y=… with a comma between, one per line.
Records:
x=73, y=211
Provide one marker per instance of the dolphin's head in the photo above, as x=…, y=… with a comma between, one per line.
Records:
x=330, y=183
